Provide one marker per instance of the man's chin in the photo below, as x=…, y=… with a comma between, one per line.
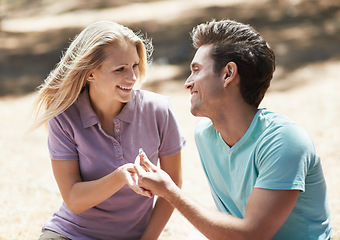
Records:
x=195, y=112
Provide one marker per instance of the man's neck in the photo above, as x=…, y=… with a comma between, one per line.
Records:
x=232, y=125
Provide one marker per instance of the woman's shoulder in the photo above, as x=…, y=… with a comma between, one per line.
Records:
x=68, y=118
x=152, y=99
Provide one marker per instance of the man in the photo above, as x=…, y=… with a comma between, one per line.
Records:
x=265, y=176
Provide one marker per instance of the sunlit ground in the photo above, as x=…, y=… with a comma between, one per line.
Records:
x=305, y=87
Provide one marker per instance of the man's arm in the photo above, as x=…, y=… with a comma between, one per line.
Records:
x=163, y=210
x=266, y=210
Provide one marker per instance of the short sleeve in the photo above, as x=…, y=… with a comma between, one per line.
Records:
x=172, y=140
x=60, y=143
x=283, y=159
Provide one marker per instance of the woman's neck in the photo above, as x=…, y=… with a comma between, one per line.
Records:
x=105, y=109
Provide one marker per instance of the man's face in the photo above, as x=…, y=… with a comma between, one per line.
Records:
x=206, y=86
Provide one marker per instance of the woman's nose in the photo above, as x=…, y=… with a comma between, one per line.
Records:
x=132, y=75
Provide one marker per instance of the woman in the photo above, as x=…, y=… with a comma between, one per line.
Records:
x=97, y=122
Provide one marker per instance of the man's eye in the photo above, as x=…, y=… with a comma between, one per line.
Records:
x=195, y=69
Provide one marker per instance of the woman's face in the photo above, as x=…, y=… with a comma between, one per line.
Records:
x=116, y=76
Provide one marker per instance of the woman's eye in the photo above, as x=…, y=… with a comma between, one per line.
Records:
x=135, y=65
x=120, y=69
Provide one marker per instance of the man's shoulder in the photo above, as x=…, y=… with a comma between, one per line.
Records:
x=279, y=132
x=205, y=129
x=205, y=124
x=282, y=126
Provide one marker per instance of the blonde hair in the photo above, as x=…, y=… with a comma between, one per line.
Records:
x=86, y=53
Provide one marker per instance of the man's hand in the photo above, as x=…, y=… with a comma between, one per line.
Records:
x=152, y=178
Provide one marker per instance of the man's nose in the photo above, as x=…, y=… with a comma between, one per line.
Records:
x=189, y=83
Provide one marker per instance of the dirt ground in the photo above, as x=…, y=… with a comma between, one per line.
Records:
x=308, y=92
x=29, y=194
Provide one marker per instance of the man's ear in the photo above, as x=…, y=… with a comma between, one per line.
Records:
x=229, y=73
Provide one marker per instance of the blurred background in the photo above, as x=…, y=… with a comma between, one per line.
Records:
x=305, y=34
x=34, y=32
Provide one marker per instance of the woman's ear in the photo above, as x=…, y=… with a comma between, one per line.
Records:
x=229, y=73
x=90, y=78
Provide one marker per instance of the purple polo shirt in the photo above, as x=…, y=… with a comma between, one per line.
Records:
x=146, y=121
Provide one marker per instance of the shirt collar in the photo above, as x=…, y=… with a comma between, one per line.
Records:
x=89, y=117
x=126, y=115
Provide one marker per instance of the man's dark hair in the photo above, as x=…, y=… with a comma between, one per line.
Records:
x=239, y=43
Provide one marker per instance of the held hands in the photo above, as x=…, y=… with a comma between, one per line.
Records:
x=151, y=177
x=131, y=179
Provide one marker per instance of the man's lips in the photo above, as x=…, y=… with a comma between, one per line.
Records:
x=193, y=93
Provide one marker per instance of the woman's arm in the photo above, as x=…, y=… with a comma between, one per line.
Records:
x=163, y=210
x=80, y=196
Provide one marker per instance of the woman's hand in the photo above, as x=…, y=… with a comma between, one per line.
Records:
x=131, y=179
x=151, y=177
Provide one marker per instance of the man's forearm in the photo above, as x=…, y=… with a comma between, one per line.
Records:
x=266, y=209
x=211, y=223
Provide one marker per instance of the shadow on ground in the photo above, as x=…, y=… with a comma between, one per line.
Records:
x=304, y=33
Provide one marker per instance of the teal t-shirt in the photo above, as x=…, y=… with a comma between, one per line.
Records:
x=274, y=153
